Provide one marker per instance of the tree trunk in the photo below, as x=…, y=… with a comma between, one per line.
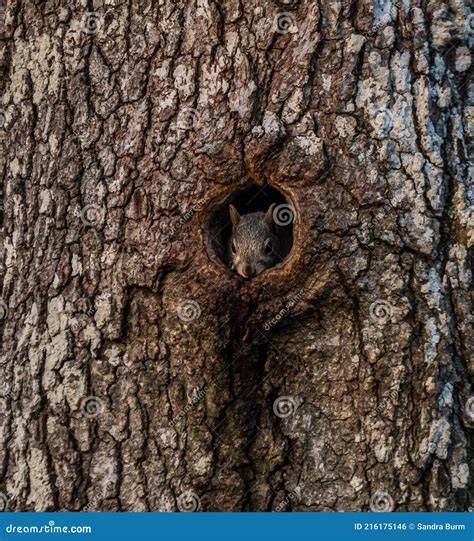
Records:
x=140, y=373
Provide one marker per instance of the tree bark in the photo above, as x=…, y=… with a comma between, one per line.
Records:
x=138, y=372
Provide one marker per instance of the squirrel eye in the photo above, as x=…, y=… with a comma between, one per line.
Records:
x=268, y=246
x=233, y=248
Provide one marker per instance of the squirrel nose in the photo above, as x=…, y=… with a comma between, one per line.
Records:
x=249, y=270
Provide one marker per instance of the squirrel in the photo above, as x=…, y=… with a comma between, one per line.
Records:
x=254, y=243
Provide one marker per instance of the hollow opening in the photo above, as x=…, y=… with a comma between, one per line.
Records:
x=249, y=200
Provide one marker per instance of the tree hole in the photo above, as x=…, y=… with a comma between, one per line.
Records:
x=249, y=200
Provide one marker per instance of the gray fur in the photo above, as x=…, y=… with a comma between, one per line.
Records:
x=250, y=235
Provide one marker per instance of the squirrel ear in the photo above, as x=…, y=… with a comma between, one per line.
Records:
x=269, y=214
x=234, y=215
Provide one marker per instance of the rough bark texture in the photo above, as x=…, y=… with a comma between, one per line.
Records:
x=139, y=373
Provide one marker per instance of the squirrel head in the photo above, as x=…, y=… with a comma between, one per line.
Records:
x=253, y=246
